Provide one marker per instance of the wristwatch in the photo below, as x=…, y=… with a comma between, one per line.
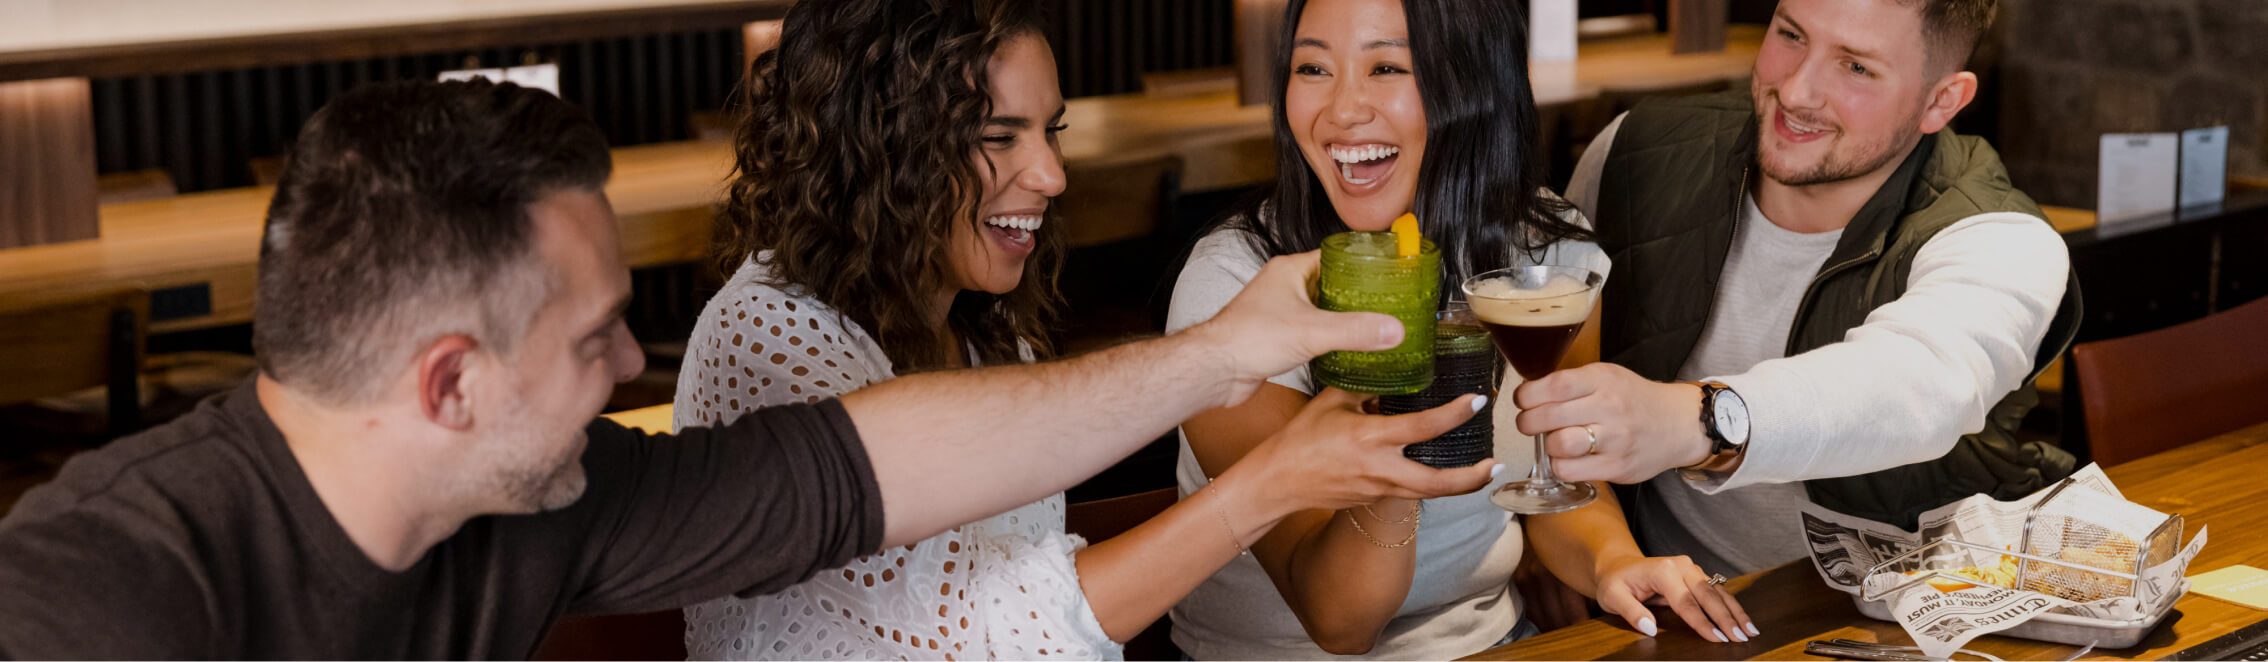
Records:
x=1724, y=418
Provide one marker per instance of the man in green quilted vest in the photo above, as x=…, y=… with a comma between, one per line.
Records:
x=1821, y=294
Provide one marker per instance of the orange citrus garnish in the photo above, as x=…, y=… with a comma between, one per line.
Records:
x=1406, y=239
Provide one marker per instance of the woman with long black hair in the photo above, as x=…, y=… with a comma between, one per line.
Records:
x=1388, y=107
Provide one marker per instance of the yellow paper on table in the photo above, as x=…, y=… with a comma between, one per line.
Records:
x=2241, y=584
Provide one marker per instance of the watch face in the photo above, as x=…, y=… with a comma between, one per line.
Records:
x=1731, y=415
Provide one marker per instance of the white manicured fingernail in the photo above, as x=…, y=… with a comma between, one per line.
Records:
x=1721, y=638
x=1646, y=627
x=1752, y=631
x=1480, y=402
x=1495, y=471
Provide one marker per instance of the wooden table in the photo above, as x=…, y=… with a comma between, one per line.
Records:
x=662, y=194
x=1222, y=145
x=83, y=38
x=1642, y=62
x=50, y=48
x=2210, y=483
x=655, y=419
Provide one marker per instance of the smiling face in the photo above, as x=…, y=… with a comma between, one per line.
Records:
x=1352, y=103
x=1842, y=90
x=1021, y=167
x=530, y=418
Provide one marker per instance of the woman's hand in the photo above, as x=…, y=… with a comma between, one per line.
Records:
x=1332, y=456
x=1627, y=583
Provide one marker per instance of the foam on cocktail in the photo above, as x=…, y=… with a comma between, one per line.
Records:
x=1559, y=302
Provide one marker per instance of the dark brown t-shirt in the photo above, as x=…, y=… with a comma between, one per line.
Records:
x=203, y=539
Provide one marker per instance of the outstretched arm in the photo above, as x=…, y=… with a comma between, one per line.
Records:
x=997, y=438
x=1343, y=584
x=1329, y=456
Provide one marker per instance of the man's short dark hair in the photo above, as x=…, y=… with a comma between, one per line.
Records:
x=401, y=217
x=1951, y=28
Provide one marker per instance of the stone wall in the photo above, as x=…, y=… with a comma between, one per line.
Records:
x=2067, y=71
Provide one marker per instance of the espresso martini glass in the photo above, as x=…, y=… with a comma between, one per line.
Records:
x=1533, y=314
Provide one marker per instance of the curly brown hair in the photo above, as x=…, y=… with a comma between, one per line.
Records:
x=856, y=151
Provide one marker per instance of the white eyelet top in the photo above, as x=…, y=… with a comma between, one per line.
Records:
x=1000, y=588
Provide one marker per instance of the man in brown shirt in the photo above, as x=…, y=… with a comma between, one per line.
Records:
x=415, y=473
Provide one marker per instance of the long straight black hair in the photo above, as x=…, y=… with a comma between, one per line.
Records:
x=1477, y=189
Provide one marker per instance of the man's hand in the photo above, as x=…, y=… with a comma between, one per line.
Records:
x=1333, y=456
x=1644, y=427
x=1273, y=326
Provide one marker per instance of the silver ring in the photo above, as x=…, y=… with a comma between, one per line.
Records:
x=1594, y=448
x=1717, y=579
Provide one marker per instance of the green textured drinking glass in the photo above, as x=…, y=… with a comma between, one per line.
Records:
x=1363, y=271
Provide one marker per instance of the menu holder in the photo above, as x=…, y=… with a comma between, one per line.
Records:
x=538, y=76
x=2136, y=176
x=2204, y=167
x=1551, y=30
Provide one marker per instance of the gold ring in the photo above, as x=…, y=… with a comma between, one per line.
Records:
x=1594, y=449
x=1717, y=579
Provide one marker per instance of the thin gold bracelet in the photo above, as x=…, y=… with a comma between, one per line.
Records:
x=1374, y=540
x=1415, y=512
x=1221, y=508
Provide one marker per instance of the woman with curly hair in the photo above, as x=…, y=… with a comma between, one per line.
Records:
x=890, y=214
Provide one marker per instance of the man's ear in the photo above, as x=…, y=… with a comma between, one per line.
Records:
x=1946, y=99
x=443, y=371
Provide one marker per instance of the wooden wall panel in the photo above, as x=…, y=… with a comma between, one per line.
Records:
x=1698, y=26
x=47, y=162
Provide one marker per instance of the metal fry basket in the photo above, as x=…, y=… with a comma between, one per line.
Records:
x=2079, y=545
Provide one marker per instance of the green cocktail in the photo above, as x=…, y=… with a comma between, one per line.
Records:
x=1362, y=271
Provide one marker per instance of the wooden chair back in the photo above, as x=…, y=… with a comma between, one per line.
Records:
x=1118, y=201
x=135, y=186
x=266, y=170
x=656, y=635
x=2154, y=391
x=59, y=345
x=1103, y=519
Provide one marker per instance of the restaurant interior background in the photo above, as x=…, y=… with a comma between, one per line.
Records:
x=2057, y=75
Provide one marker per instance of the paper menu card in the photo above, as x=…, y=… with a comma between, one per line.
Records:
x=539, y=76
x=2136, y=175
x=2241, y=584
x=1551, y=30
x=2204, y=166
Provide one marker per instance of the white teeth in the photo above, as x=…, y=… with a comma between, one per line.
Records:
x=1021, y=222
x=1363, y=153
x=1346, y=171
x=1801, y=128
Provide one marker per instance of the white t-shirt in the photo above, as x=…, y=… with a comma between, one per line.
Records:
x=1460, y=600
x=1900, y=388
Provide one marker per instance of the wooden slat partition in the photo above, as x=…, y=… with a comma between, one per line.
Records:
x=47, y=152
x=1698, y=26
x=1104, y=46
x=206, y=129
